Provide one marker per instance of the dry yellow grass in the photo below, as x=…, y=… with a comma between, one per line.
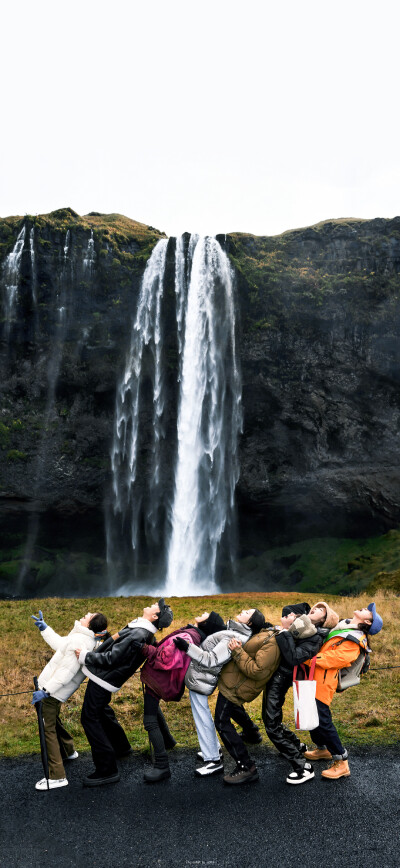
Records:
x=367, y=714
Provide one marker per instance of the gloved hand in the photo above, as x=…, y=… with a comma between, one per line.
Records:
x=144, y=649
x=38, y=619
x=38, y=695
x=181, y=643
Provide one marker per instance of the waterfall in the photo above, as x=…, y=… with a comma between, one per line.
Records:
x=145, y=340
x=201, y=500
x=89, y=259
x=33, y=266
x=66, y=244
x=11, y=275
x=208, y=425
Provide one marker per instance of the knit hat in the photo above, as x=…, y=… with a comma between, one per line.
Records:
x=332, y=619
x=257, y=621
x=166, y=615
x=297, y=608
x=212, y=624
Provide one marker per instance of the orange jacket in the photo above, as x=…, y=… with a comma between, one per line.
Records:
x=335, y=654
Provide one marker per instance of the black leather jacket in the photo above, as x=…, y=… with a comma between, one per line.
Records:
x=294, y=652
x=116, y=660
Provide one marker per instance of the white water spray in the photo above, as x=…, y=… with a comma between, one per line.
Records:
x=11, y=275
x=208, y=425
x=89, y=259
x=146, y=332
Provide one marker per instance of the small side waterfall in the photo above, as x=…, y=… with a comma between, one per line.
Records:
x=208, y=425
x=33, y=264
x=145, y=341
x=90, y=256
x=11, y=276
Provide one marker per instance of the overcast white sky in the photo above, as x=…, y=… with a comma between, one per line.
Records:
x=212, y=116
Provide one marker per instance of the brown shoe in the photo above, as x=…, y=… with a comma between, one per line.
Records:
x=317, y=754
x=241, y=775
x=338, y=769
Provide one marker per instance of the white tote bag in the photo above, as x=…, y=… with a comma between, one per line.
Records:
x=305, y=706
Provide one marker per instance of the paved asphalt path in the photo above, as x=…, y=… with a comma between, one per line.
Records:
x=189, y=823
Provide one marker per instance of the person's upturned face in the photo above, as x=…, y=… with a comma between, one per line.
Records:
x=244, y=616
x=287, y=620
x=364, y=616
x=151, y=612
x=85, y=621
x=200, y=618
x=317, y=614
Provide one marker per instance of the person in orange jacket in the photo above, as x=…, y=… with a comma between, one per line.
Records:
x=341, y=648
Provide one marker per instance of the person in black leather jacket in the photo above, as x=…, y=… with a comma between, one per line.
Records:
x=107, y=670
x=303, y=632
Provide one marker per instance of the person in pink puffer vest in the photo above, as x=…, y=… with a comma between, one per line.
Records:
x=163, y=675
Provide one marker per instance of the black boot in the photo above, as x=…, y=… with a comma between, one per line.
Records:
x=168, y=738
x=154, y=775
x=161, y=764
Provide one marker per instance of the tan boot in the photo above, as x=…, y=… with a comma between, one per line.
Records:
x=338, y=769
x=317, y=754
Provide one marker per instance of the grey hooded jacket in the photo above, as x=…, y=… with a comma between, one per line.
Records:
x=209, y=658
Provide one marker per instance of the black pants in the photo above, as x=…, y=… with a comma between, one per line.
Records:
x=225, y=712
x=281, y=736
x=156, y=725
x=326, y=734
x=105, y=735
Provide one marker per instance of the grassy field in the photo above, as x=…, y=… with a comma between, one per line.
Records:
x=367, y=714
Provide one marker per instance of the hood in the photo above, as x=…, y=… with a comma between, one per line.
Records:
x=239, y=628
x=302, y=628
x=143, y=623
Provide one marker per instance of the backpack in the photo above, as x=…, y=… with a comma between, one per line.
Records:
x=350, y=676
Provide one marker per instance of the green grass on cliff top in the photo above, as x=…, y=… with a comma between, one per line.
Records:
x=367, y=714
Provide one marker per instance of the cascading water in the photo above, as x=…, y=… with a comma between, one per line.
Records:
x=209, y=420
x=146, y=336
x=208, y=425
x=33, y=264
x=11, y=276
x=89, y=258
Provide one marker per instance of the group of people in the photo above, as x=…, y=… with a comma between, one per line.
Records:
x=241, y=659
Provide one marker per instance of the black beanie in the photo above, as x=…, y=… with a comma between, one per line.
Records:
x=298, y=609
x=212, y=624
x=257, y=621
x=166, y=615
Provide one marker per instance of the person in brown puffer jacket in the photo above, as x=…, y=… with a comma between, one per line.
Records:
x=242, y=680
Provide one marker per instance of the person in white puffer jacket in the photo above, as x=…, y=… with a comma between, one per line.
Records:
x=201, y=679
x=59, y=679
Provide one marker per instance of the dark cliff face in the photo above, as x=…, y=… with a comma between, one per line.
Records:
x=320, y=356
x=318, y=338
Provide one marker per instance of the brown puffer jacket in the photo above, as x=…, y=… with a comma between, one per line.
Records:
x=246, y=675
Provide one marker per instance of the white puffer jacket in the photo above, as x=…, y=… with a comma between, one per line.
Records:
x=62, y=675
x=209, y=658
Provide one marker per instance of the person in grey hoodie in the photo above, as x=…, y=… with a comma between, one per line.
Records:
x=201, y=679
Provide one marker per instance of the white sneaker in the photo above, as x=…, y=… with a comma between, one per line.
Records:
x=200, y=755
x=72, y=756
x=300, y=777
x=42, y=784
x=210, y=768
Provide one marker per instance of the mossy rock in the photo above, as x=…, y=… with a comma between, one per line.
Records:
x=385, y=582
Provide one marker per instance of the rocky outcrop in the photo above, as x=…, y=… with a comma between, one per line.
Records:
x=320, y=355
x=318, y=338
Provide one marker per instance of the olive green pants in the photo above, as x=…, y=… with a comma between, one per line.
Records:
x=58, y=741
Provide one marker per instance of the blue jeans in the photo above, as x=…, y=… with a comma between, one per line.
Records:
x=325, y=735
